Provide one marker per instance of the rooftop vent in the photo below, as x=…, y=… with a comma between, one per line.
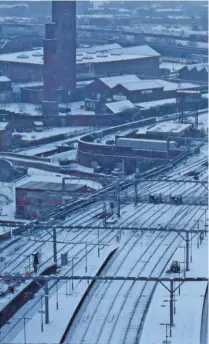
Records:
x=102, y=55
x=22, y=56
x=115, y=53
x=38, y=54
x=87, y=57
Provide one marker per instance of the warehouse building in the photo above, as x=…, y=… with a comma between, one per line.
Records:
x=36, y=199
x=164, y=130
x=132, y=88
x=146, y=144
x=195, y=73
x=28, y=65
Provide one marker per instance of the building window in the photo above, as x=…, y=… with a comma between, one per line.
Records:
x=146, y=91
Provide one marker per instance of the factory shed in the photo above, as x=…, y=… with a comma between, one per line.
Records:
x=195, y=72
x=101, y=88
x=28, y=65
x=146, y=144
x=167, y=129
x=120, y=106
x=36, y=198
x=143, y=90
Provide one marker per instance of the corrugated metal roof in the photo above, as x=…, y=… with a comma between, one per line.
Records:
x=112, y=81
x=117, y=107
x=140, y=50
x=142, y=85
x=199, y=67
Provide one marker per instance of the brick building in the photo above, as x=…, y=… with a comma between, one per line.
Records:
x=37, y=199
x=134, y=89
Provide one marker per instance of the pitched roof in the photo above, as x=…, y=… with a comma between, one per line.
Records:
x=117, y=107
x=141, y=85
x=140, y=50
x=112, y=81
x=4, y=79
x=199, y=67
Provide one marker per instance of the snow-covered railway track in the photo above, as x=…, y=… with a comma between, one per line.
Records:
x=118, y=264
x=25, y=248
x=92, y=327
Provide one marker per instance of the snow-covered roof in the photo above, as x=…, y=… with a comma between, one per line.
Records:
x=141, y=85
x=84, y=56
x=117, y=107
x=97, y=48
x=155, y=103
x=172, y=66
x=3, y=125
x=4, y=79
x=140, y=50
x=49, y=186
x=199, y=67
x=173, y=127
x=169, y=86
x=112, y=81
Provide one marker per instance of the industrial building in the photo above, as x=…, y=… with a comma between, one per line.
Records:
x=146, y=144
x=132, y=88
x=195, y=73
x=36, y=198
x=140, y=60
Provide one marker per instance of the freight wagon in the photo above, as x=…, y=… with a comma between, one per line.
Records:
x=142, y=144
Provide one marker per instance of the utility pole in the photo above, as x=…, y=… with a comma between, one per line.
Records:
x=46, y=303
x=55, y=244
x=171, y=303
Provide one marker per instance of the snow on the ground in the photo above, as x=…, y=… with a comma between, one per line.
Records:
x=58, y=319
x=72, y=155
x=75, y=131
x=189, y=303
